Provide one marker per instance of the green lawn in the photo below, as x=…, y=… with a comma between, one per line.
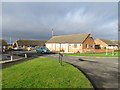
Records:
x=43, y=73
x=116, y=54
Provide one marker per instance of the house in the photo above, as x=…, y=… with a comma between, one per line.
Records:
x=28, y=43
x=77, y=43
x=3, y=45
x=117, y=42
x=103, y=43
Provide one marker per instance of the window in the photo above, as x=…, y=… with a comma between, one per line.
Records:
x=63, y=45
x=49, y=45
x=75, y=45
x=93, y=46
x=87, y=46
x=57, y=45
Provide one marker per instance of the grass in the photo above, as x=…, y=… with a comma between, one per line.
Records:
x=116, y=54
x=43, y=73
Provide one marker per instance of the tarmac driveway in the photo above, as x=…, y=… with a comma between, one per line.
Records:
x=102, y=72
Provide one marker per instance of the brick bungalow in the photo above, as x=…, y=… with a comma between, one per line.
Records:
x=28, y=43
x=71, y=43
x=102, y=44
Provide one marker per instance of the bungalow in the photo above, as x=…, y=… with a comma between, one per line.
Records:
x=102, y=43
x=28, y=43
x=3, y=45
x=117, y=42
x=78, y=43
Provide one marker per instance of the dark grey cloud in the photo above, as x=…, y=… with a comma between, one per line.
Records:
x=32, y=20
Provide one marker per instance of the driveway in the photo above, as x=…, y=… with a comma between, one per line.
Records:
x=102, y=72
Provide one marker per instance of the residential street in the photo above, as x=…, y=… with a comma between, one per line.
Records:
x=103, y=72
x=5, y=57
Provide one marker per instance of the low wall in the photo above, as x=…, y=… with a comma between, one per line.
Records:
x=102, y=50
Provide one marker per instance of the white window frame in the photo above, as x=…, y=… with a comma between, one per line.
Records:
x=73, y=46
x=57, y=45
x=49, y=45
x=63, y=45
x=87, y=46
x=93, y=46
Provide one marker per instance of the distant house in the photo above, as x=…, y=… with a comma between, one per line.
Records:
x=102, y=44
x=71, y=43
x=28, y=43
x=117, y=42
x=3, y=45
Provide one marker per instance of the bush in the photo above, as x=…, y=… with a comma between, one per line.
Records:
x=117, y=50
x=104, y=47
x=78, y=51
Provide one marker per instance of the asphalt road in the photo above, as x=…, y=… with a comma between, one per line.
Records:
x=4, y=57
x=17, y=55
x=102, y=72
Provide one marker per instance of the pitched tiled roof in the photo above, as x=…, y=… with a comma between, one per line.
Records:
x=117, y=42
x=31, y=42
x=76, y=38
x=108, y=42
x=3, y=42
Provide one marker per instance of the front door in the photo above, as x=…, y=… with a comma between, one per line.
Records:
x=66, y=48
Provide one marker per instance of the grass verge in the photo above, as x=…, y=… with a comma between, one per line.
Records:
x=43, y=73
x=116, y=54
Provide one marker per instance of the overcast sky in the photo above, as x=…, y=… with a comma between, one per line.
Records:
x=35, y=20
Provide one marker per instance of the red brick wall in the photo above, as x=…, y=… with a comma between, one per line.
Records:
x=90, y=42
x=102, y=50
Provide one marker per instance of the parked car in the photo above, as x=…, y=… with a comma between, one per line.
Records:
x=31, y=48
x=18, y=48
x=42, y=49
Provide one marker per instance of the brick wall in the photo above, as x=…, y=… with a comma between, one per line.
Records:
x=90, y=43
x=102, y=50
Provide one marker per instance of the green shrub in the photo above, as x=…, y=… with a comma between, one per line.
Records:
x=117, y=50
x=104, y=47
